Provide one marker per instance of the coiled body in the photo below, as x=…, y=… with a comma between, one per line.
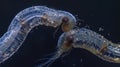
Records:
x=26, y=20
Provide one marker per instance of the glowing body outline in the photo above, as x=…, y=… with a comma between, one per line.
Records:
x=26, y=20
x=88, y=40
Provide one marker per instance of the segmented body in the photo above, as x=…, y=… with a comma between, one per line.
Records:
x=26, y=20
x=89, y=40
x=34, y=16
x=93, y=42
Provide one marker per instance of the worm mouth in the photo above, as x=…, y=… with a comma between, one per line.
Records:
x=66, y=27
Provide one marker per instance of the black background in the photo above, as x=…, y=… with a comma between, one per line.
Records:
x=94, y=14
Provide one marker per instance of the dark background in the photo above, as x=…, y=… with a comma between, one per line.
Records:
x=94, y=14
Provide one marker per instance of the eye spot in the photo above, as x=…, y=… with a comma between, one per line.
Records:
x=70, y=39
x=65, y=19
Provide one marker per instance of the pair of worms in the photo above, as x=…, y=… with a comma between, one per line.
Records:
x=72, y=37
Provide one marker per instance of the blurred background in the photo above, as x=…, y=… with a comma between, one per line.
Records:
x=102, y=16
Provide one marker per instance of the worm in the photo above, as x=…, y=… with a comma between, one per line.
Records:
x=89, y=40
x=26, y=20
x=93, y=42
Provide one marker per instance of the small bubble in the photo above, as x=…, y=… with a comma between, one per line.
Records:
x=101, y=29
x=73, y=65
x=81, y=60
x=108, y=34
x=87, y=26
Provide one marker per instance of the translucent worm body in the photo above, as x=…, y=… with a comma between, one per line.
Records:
x=26, y=20
x=89, y=40
x=93, y=42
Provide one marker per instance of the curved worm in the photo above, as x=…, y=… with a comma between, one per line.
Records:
x=93, y=42
x=86, y=39
x=26, y=20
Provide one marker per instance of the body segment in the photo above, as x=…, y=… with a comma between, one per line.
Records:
x=26, y=20
x=95, y=43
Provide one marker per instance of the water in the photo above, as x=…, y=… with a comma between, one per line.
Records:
x=94, y=13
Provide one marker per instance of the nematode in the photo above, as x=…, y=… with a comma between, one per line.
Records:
x=86, y=39
x=26, y=20
x=93, y=42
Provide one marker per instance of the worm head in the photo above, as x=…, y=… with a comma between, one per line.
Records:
x=60, y=18
x=68, y=21
x=66, y=41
